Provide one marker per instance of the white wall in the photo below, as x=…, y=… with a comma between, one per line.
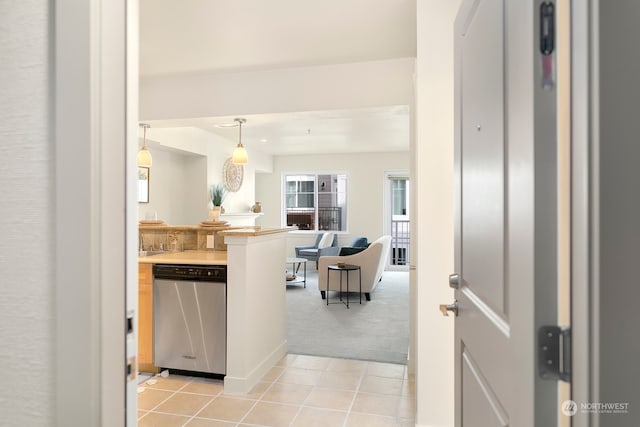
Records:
x=186, y=161
x=177, y=188
x=327, y=87
x=365, y=191
x=26, y=217
x=256, y=309
x=434, y=208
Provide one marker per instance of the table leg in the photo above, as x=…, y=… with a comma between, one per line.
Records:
x=305, y=274
x=327, y=293
x=360, y=275
x=347, y=288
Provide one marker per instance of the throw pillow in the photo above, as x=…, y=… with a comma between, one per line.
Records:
x=360, y=242
x=326, y=241
x=350, y=250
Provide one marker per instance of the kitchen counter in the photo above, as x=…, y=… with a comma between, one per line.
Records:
x=256, y=299
x=187, y=257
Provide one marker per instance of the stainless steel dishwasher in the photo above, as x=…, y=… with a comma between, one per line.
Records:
x=190, y=318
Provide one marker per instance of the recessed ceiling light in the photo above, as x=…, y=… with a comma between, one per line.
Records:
x=263, y=140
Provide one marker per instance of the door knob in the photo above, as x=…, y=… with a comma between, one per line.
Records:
x=454, y=281
x=446, y=308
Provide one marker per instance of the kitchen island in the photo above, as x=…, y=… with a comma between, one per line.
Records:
x=256, y=306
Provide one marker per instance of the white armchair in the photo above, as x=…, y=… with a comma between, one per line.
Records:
x=371, y=261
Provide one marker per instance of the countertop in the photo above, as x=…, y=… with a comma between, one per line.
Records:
x=187, y=257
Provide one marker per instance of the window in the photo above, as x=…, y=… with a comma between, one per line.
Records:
x=316, y=201
x=400, y=224
x=399, y=196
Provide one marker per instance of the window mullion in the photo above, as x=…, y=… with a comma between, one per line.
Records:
x=316, y=203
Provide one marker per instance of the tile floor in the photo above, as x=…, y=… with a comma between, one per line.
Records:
x=305, y=391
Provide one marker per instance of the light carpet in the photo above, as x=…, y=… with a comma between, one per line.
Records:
x=377, y=330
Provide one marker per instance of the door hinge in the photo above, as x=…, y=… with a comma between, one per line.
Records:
x=554, y=353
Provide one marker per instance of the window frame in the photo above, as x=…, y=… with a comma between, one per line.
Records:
x=316, y=174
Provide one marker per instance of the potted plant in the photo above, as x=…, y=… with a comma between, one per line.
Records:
x=217, y=193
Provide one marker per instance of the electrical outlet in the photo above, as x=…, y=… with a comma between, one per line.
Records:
x=210, y=242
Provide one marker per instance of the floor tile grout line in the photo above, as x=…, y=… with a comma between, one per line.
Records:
x=219, y=419
x=188, y=392
x=299, y=406
x=355, y=396
x=173, y=392
x=248, y=412
x=327, y=368
x=295, y=417
x=274, y=382
x=324, y=408
x=200, y=410
x=347, y=412
x=241, y=421
x=361, y=375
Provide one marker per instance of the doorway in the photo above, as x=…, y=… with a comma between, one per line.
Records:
x=131, y=223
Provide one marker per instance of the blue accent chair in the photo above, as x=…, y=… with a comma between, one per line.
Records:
x=313, y=253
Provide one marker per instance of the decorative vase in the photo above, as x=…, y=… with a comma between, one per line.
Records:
x=214, y=214
x=257, y=208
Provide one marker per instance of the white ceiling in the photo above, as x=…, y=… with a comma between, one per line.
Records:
x=237, y=35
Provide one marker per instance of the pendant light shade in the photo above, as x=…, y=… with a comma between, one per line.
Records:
x=144, y=156
x=240, y=153
x=240, y=156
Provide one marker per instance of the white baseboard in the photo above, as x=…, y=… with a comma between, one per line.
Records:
x=243, y=385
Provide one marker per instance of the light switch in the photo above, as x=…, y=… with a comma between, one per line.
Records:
x=210, y=242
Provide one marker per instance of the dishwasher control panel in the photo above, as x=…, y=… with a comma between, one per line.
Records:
x=205, y=273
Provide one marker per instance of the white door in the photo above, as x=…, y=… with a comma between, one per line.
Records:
x=505, y=249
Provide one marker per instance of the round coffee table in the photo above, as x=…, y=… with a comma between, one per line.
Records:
x=293, y=262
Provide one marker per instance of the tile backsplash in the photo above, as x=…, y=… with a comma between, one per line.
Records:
x=179, y=238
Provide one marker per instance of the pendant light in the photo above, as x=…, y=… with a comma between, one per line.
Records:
x=144, y=156
x=240, y=153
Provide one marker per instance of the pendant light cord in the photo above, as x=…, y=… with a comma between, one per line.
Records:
x=144, y=138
